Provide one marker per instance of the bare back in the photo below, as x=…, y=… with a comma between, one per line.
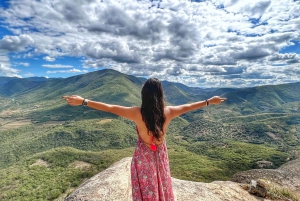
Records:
x=143, y=131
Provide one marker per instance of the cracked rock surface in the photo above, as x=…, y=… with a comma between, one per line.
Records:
x=114, y=184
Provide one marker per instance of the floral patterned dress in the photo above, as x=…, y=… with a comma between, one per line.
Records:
x=150, y=173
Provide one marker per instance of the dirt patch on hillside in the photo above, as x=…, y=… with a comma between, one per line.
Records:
x=80, y=165
x=53, y=123
x=15, y=124
x=4, y=121
x=103, y=121
x=8, y=112
x=227, y=110
x=179, y=137
x=272, y=135
x=40, y=162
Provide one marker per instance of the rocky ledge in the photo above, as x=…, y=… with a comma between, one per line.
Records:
x=287, y=176
x=114, y=184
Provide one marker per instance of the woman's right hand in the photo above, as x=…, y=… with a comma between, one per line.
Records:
x=73, y=100
x=216, y=100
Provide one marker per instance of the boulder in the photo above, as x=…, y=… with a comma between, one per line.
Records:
x=259, y=188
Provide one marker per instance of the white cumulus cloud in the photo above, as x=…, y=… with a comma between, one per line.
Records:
x=74, y=70
x=229, y=42
x=56, y=66
x=6, y=69
x=47, y=58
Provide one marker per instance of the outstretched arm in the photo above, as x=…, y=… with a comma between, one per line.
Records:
x=176, y=111
x=127, y=112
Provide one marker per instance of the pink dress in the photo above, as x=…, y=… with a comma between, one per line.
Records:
x=150, y=173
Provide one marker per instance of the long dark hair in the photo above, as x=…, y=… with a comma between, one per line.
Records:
x=152, y=108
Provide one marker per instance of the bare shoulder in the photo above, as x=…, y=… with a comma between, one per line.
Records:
x=173, y=111
x=136, y=109
x=135, y=113
x=167, y=111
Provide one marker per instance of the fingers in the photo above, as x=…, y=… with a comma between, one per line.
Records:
x=69, y=97
x=72, y=96
x=219, y=100
x=65, y=97
x=73, y=100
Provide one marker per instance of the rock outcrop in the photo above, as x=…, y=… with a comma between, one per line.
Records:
x=114, y=184
x=288, y=175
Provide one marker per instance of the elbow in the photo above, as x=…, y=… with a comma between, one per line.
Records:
x=109, y=109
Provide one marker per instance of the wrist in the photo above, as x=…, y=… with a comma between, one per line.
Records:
x=207, y=102
x=85, y=102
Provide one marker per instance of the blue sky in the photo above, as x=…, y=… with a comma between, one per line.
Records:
x=212, y=43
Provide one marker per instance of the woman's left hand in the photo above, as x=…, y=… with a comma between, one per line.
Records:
x=216, y=100
x=74, y=100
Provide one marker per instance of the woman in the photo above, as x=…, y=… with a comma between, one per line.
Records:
x=150, y=172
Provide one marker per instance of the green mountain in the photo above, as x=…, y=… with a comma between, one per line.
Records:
x=4, y=80
x=94, y=85
x=265, y=97
x=106, y=86
x=18, y=85
x=191, y=90
x=177, y=93
x=48, y=147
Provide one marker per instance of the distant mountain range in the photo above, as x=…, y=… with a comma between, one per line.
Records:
x=94, y=85
x=10, y=86
x=4, y=80
x=175, y=93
